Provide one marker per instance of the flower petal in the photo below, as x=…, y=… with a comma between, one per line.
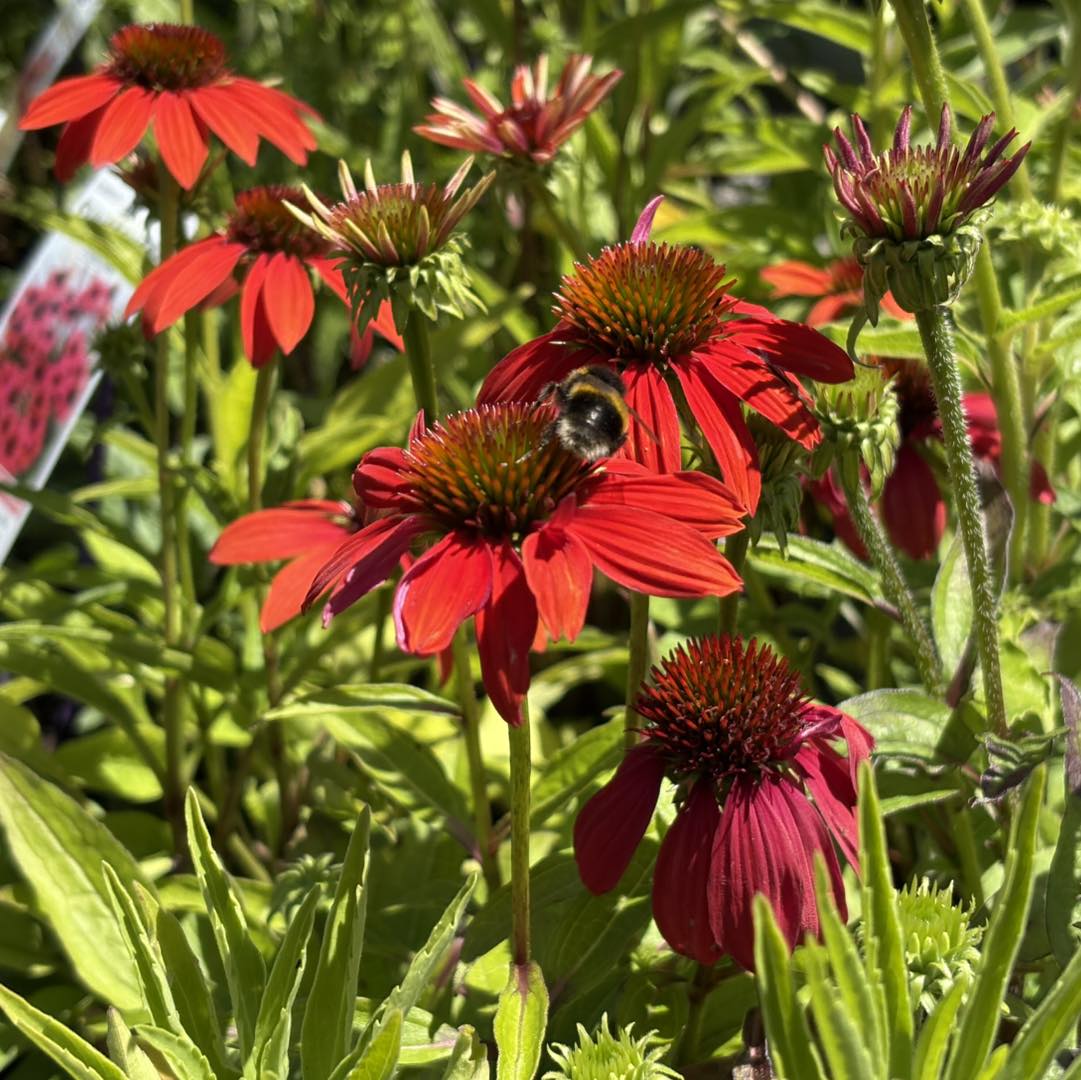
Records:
x=185, y=280
x=447, y=584
x=181, y=140
x=763, y=388
x=719, y=416
x=611, y=825
x=652, y=554
x=281, y=532
x=285, y=597
x=644, y=225
x=827, y=491
x=651, y=403
x=288, y=300
x=681, y=877
x=797, y=278
x=506, y=627
x=560, y=575
x=70, y=99
x=830, y=784
x=73, y=147
x=122, y=125
x=369, y=555
x=912, y=505
x=253, y=325
x=228, y=120
x=525, y=371
x=795, y=347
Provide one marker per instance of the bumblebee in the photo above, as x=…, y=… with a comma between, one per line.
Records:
x=593, y=416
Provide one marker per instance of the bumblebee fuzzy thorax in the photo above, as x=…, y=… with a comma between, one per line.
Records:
x=593, y=417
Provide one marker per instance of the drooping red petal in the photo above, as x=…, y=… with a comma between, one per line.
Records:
x=681, y=877
x=384, y=324
x=281, y=532
x=759, y=849
x=253, y=325
x=690, y=497
x=651, y=401
x=370, y=555
x=186, y=280
x=70, y=99
x=652, y=554
x=778, y=399
x=912, y=505
x=611, y=825
x=833, y=307
x=560, y=575
x=795, y=347
x=181, y=140
x=447, y=584
x=525, y=371
x=228, y=120
x=122, y=125
x=73, y=147
x=275, y=115
x=288, y=300
x=721, y=420
x=506, y=627
x=328, y=271
x=378, y=480
x=830, y=784
x=285, y=597
x=797, y=278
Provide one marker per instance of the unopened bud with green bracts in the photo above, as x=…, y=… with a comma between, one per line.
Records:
x=608, y=1056
x=782, y=463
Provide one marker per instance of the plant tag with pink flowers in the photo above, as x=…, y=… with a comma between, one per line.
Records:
x=66, y=294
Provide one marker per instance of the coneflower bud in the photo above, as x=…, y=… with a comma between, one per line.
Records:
x=607, y=1056
x=781, y=462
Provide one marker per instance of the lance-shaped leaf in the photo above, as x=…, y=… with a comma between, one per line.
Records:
x=380, y=1060
x=934, y=1040
x=846, y=1054
x=243, y=964
x=176, y=1055
x=469, y=1059
x=1062, y=911
x=126, y=1052
x=521, y=1019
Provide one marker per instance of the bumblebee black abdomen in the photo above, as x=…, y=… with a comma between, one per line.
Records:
x=593, y=416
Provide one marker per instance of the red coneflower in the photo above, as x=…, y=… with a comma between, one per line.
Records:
x=306, y=532
x=535, y=125
x=836, y=287
x=762, y=789
x=658, y=312
x=514, y=525
x=912, y=507
x=175, y=76
x=274, y=253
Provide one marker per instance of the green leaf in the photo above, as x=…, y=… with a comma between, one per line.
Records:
x=568, y=772
x=107, y=761
x=951, y=607
x=884, y=950
x=191, y=990
x=847, y=1058
x=270, y=1049
x=145, y=958
x=1062, y=908
x=909, y=722
x=469, y=1058
x=380, y=1060
x=72, y=1053
x=243, y=964
x=521, y=1019
x=59, y=849
x=844, y=27
x=1045, y=1029
x=824, y=567
x=935, y=1034
x=786, y=1025
x=1052, y=305
x=180, y=1056
x=328, y=1017
x=125, y=1051
x=980, y=1015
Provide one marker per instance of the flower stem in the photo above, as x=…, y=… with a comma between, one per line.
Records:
x=698, y=989
x=937, y=337
x=192, y=332
x=923, y=55
x=172, y=704
x=735, y=550
x=637, y=662
x=482, y=810
x=418, y=349
x=260, y=408
x=519, y=838
x=570, y=239
x=893, y=580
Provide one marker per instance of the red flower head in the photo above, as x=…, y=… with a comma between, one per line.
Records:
x=535, y=125
x=274, y=252
x=661, y=314
x=176, y=77
x=729, y=724
x=912, y=507
x=513, y=525
x=838, y=288
x=911, y=193
x=306, y=532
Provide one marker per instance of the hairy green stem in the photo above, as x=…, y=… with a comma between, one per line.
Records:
x=519, y=838
x=482, y=810
x=937, y=338
x=923, y=55
x=172, y=699
x=418, y=350
x=894, y=584
x=637, y=662
x=735, y=550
